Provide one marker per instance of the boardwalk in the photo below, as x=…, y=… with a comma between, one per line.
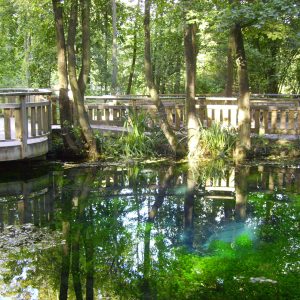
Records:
x=26, y=120
x=25, y=124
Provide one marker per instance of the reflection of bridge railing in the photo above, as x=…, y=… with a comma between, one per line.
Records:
x=270, y=178
x=25, y=123
x=29, y=201
x=272, y=114
x=221, y=187
x=33, y=200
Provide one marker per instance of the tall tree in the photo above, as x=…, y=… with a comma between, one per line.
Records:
x=134, y=50
x=190, y=52
x=114, y=78
x=162, y=118
x=78, y=85
x=64, y=102
x=243, y=143
x=230, y=66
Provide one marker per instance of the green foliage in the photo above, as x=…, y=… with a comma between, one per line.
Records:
x=27, y=46
x=141, y=139
x=137, y=142
x=28, y=50
x=217, y=141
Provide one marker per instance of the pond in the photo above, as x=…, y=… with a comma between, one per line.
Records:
x=143, y=232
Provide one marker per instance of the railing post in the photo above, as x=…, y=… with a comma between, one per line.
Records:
x=39, y=120
x=256, y=121
x=54, y=109
x=22, y=125
x=49, y=117
x=177, y=117
x=45, y=119
x=33, y=121
x=7, y=129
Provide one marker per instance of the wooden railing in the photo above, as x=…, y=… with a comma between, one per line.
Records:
x=25, y=119
x=270, y=114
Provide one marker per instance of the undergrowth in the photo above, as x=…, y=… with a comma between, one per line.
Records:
x=217, y=141
x=142, y=138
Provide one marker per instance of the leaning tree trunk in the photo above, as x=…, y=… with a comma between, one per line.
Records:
x=162, y=117
x=64, y=101
x=244, y=143
x=78, y=86
x=193, y=125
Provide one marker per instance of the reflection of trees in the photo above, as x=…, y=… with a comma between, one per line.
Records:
x=159, y=199
x=189, y=201
x=75, y=232
x=241, y=192
x=104, y=239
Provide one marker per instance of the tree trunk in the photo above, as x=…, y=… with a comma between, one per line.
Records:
x=27, y=48
x=178, y=77
x=63, y=98
x=272, y=71
x=134, y=53
x=78, y=86
x=193, y=126
x=114, y=49
x=106, y=75
x=243, y=143
x=230, y=68
x=162, y=117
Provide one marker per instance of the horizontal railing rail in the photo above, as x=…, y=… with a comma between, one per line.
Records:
x=270, y=113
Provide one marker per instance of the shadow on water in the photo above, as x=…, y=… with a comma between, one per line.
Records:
x=210, y=232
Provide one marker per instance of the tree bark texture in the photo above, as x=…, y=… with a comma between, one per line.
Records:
x=243, y=143
x=193, y=126
x=78, y=86
x=63, y=98
x=230, y=66
x=162, y=117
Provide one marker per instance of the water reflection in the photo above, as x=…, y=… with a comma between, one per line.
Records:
x=155, y=233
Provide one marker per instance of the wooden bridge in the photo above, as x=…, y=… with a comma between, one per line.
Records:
x=26, y=117
x=25, y=123
x=279, y=114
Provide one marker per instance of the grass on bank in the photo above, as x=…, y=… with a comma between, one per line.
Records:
x=144, y=139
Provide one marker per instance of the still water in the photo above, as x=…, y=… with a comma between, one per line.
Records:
x=164, y=232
